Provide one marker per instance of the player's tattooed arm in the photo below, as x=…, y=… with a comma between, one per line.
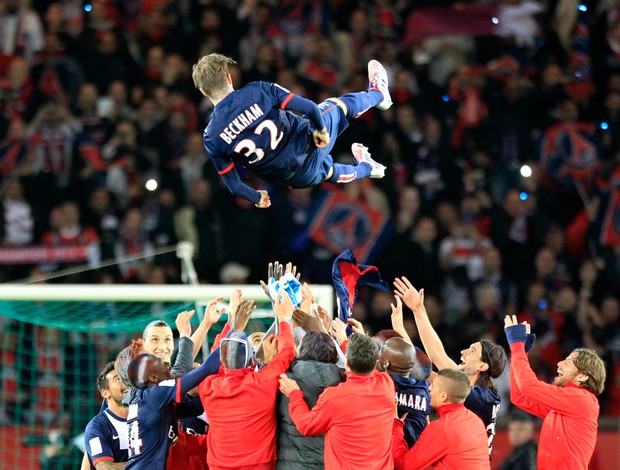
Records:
x=107, y=465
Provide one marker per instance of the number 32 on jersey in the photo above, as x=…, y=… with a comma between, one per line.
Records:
x=248, y=147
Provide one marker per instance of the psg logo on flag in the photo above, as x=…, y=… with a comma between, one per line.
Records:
x=341, y=222
x=569, y=154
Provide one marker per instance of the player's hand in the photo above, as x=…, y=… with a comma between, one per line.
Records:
x=265, y=201
x=242, y=315
x=339, y=330
x=270, y=348
x=287, y=385
x=307, y=321
x=211, y=313
x=233, y=305
x=321, y=138
x=356, y=326
x=413, y=298
x=283, y=306
x=183, y=323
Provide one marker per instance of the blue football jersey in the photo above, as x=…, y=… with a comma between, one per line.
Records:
x=413, y=398
x=152, y=425
x=106, y=438
x=251, y=128
x=485, y=403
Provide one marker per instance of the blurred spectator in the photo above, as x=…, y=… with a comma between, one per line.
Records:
x=521, y=438
x=16, y=219
x=22, y=30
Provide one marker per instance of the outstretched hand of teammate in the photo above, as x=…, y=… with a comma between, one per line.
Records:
x=212, y=315
x=321, y=138
x=265, y=201
x=182, y=323
x=413, y=298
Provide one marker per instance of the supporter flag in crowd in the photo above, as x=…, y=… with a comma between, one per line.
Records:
x=340, y=222
x=569, y=155
x=347, y=275
x=610, y=231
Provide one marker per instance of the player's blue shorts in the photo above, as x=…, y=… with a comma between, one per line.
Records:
x=319, y=161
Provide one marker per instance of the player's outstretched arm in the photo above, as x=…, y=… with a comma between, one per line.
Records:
x=430, y=339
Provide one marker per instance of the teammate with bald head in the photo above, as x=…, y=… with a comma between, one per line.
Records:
x=152, y=417
x=457, y=439
x=398, y=358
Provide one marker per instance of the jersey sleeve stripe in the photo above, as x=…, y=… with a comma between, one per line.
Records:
x=286, y=100
x=102, y=459
x=227, y=169
x=326, y=110
x=178, y=394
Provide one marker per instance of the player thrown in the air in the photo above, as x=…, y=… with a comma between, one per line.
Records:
x=255, y=128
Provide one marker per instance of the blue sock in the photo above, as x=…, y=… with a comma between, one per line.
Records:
x=347, y=173
x=360, y=102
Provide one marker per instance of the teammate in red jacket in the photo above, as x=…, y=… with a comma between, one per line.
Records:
x=240, y=402
x=356, y=416
x=569, y=407
x=458, y=439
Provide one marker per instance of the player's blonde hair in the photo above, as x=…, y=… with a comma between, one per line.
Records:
x=588, y=362
x=210, y=72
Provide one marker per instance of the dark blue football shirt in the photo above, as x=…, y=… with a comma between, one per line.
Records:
x=414, y=399
x=485, y=402
x=255, y=128
x=105, y=438
x=152, y=418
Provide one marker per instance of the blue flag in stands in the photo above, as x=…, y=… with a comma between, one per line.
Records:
x=347, y=274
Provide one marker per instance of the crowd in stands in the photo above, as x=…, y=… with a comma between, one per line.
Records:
x=97, y=100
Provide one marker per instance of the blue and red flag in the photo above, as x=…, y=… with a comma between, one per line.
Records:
x=569, y=154
x=340, y=222
x=347, y=275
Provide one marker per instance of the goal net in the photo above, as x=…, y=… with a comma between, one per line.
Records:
x=54, y=341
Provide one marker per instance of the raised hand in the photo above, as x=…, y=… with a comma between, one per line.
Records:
x=326, y=319
x=397, y=315
x=283, y=306
x=274, y=271
x=356, y=325
x=242, y=315
x=183, y=323
x=339, y=330
x=211, y=314
x=409, y=294
x=398, y=324
x=306, y=321
x=270, y=348
x=307, y=298
x=233, y=304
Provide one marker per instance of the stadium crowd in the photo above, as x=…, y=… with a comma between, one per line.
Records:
x=97, y=99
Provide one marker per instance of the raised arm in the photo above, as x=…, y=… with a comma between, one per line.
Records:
x=397, y=320
x=533, y=395
x=430, y=340
x=211, y=318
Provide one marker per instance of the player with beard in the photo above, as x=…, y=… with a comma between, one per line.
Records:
x=106, y=434
x=481, y=361
x=569, y=406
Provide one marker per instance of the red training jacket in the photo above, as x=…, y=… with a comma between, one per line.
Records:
x=457, y=439
x=356, y=417
x=569, y=430
x=240, y=405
